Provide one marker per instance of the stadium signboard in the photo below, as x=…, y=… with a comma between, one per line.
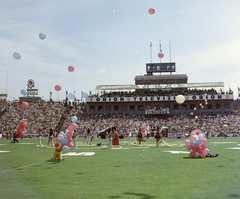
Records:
x=160, y=67
x=3, y=94
x=158, y=98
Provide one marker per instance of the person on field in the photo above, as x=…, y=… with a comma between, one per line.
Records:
x=158, y=137
x=15, y=137
x=139, y=136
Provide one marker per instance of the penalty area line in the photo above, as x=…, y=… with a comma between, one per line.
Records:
x=22, y=167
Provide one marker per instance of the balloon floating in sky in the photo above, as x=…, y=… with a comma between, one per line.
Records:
x=151, y=11
x=44, y=71
x=160, y=55
x=85, y=95
x=16, y=55
x=72, y=96
x=24, y=92
x=71, y=68
x=42, y=36
x=24, y=104
x=57, y=87
x=180, y=99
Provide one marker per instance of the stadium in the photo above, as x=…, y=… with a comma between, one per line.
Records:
x=156, y=95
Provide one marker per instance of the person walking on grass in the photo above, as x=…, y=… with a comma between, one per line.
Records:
x=15, y=137
x=110, y=135
x=39, y=137
x=139, y=136
x=89, y=136
x=158, y=137
x=50, y=138
x=74, y=137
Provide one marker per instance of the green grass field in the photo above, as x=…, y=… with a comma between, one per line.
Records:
x=127, y=171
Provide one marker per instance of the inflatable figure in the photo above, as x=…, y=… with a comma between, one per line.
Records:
x=57, y=155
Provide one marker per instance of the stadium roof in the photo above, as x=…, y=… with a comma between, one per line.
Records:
x=160, y=86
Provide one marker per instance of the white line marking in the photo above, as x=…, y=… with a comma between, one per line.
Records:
x=21, y=167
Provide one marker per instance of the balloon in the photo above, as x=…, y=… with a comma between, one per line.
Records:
x=65, y=148
x=57, y=140
x=191, y=113
x=151, y=11
x=74, y=119
x=71, y=68
x=70, y=129
x=16, y=55
x=180, y=99
x=69, y=145
x=60, y=137
x=206, y=103
x=56, y=144
x=74, y=126
x=198, y=142
x=187, y=142
x=187, y=148
x=160, y=55
x=195, y=109
x=200, y=136
x=193, y=138
x=58, y=88
x=61, y=133
x=42, y=36
x=203, y=146
x=24, y=104
x=85, y=95
x=24, y=92
x=196, y=117
x=192, y=143
x=204, y=141
x=64, y=141
x=192, y=154
x=44, y=71
x=72, y=96
x=200, y=104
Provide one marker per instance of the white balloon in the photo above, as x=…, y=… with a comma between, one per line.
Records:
x=180, y=99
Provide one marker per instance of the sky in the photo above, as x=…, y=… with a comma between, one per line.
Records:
x=107, y=42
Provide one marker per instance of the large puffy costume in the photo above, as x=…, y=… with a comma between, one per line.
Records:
x=57, y=155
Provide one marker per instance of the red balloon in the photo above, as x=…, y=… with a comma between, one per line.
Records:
x=70, y=68
x=58, y=88
x=57, y=145
x=24, y=104
x=160, y=55
x=151, y=11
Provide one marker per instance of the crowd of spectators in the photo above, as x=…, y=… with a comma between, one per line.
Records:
x=45, y=115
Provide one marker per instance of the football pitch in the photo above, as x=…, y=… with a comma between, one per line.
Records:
x=126, y=171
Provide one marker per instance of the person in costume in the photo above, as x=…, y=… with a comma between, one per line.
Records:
x=57, y=155
x=110, y=135
x=134, y=133
x=74, y=137
x=139, y=136
x=89, y=136
x=15, y=137
x=50, y=137
x=225, y=129
x=115, y=136
x=158, y=137
x=40, y=137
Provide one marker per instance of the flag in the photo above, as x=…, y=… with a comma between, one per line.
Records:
x=230, y=90
x=66, y=95
x=221, y=89
x=50, y=93
x=238, y=92
x=81, y=95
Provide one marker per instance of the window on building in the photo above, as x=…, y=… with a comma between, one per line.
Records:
x=132, y=108
x=226, y=105
x=140, y=107
x=209, y=106
x=108, y=108
x=218, y=106
x=92, y=108
x=184, y=106
x=175, y=106
x=116, y=108
x=192, y=106
x=100, y=108
x=124, y=107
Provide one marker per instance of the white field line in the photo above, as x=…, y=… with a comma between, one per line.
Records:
x=22, y=167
